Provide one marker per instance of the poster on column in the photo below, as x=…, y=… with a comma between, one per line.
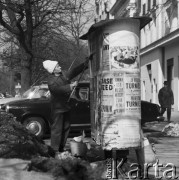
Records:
x=112, y=93
x=120, y=92
x=124, y=52
x=107, y=94
x=120, y=109
x=132, y=94
x=105, y=60
x=119, y=106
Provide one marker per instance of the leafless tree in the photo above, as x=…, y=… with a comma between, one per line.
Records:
x=35, y=27
x=25, y=19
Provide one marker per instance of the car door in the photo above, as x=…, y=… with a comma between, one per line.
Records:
x=80, y=106
x=149, y=111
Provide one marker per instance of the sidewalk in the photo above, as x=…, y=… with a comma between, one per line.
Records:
x=174, y=116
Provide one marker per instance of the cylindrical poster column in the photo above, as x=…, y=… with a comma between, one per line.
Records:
x=115, y=83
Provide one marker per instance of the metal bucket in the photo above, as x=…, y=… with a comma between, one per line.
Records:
x=78, y=148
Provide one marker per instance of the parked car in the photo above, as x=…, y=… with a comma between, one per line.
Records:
x=34, y=112
x=150, y=112
x=31, y=93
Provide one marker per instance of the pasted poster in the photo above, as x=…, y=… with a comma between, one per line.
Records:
x=107, y=93
x=105, y=55
x=120, y=93
x=132, y=93
x=112, y=93
x=120, y=109
x=119, y=55
x=124, y=57
x=124, y=51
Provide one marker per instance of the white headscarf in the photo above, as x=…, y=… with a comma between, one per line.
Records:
x=50, y=65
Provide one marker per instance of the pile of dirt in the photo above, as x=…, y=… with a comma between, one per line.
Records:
x=67, y=169
x=171, y=129
x=72, y=168
x=17, y=142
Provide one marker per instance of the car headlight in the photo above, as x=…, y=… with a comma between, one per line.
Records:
x=7, y=108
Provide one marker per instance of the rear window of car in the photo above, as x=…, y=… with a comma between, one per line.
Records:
x=81, y=94
x=84, y=93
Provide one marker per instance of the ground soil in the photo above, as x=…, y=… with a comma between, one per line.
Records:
x=17, y=142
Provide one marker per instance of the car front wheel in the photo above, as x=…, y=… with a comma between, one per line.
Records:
x=36, y=125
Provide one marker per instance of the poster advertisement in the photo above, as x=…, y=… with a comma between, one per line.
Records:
x=105, y=51
x=124, y=57
x=132, y=93
x=120, y=109
x=120, y=93
x=124, y=51
x=107, y=95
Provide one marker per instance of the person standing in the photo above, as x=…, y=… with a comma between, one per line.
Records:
x=166, y=100
x=60, y=86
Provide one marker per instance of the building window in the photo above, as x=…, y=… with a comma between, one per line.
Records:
x=154, y=3
x=170, y=72
x=149, y=5
x=149, y=71
x=139, y=4
x=144, y=6
x=138, y=8
x=143, y=90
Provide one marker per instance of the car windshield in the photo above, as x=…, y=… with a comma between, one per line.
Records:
x=42, y=91
x=36, y=92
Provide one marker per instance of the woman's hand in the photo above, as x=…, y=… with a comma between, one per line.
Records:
x=74, y=84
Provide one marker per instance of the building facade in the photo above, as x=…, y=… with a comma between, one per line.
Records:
x=159, y=50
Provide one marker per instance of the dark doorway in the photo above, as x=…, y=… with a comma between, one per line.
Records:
x=170, y=73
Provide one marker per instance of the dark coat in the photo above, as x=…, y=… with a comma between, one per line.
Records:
x=165, y=97
x=60, y=90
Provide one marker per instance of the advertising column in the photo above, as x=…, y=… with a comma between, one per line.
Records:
x=115, y=83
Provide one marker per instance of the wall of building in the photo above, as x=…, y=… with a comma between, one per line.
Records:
x=152, y=78
x=151, y=75
x=172, y=51
x=163, y=23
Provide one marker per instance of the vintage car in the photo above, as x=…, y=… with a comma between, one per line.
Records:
x=31, y=93
x=34, y=112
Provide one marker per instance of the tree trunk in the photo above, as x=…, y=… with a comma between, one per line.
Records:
x=26, y=73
